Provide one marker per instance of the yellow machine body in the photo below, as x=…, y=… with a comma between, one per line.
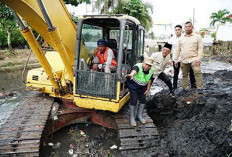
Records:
x=57, y=75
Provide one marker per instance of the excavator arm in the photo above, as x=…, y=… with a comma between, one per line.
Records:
x=30, y=11
x=52, y=21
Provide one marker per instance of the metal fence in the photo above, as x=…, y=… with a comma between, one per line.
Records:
x=97, y=84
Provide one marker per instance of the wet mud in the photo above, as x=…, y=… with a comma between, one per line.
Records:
x=196, y=125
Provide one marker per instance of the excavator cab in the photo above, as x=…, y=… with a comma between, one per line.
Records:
x=125, y=36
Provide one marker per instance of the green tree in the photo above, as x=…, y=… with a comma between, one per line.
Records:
x=105, y=5
x=17, y=39
x=3, y=38
x=119, y=9
x=213, y=35
x=76, y=2
x=220, y=17
x=139, y=10
x=8, y=23
x=74, y=18
x=135, y=8
x=152, y=35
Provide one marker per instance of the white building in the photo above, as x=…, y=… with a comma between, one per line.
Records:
x=224, y=32
x=162, y=30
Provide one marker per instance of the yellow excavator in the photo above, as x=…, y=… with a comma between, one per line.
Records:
x=66, y=72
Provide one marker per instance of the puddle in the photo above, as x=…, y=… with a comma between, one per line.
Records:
x=82, y=140
x=212, y=67
x=8, y=104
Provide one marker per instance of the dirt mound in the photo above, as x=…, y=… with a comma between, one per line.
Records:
x=193, y=124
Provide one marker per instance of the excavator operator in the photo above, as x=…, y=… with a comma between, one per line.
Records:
x=104, y=58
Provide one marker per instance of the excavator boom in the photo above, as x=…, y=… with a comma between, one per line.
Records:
x=30, y=11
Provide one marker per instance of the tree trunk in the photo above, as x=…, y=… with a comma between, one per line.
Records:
x=106, y=7
x=9, y=42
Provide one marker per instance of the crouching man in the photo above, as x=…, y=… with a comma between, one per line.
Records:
x=137, y=82
x=161, y=60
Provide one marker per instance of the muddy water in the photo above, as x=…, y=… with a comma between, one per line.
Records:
x=76, y=140
x=13, y=88
x=212, y=66
x=11, y=80
x=82, y=140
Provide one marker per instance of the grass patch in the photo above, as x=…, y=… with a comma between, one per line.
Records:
x=23, y=63
x=8, y=64
x=207, y=53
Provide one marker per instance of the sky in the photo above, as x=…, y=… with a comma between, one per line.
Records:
x=177, y=11
x=180, y=11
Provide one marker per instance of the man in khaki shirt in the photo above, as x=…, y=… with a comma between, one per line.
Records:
x=173, y=40
x=190, y=47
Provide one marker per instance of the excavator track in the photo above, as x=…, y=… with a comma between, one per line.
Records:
x=21, y=134
x=141, y=137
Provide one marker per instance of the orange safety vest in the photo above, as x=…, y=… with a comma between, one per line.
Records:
x=103, y=59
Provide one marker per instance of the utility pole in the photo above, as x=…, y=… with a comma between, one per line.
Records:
x=86, y=8
x=92, y=6
x=193, y=16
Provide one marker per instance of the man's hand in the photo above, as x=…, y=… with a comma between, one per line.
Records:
x=176, y=64
x=99, y=66
x=94, y=67
x=197, y=62
x=131, y=76
x=146, y=92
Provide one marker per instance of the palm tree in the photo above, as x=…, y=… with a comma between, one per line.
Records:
x=135, y=8
x=139, y=10
x=147, y=18
x=105, y=5
x=220, y=17
x=76, y=2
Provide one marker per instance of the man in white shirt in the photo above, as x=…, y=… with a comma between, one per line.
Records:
x=146, y=51
x=161, y=60
x=173, y=40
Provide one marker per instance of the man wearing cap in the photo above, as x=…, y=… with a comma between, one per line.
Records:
x=137, y=82
x=103, y=57
x=161, y=59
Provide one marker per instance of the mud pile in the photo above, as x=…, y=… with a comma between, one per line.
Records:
x=196, y=125
x=222, y=47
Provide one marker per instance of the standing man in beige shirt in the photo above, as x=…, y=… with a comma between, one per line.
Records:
x=173, y=40
x=190, y=47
